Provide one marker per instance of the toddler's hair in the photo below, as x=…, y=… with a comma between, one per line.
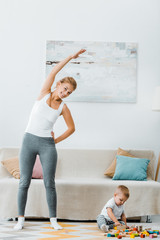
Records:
x=122, y=189
x=70, y=80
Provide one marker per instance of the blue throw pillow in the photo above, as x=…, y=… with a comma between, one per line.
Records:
x=129, y=168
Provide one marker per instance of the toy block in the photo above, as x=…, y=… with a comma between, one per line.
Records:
x=136, y=234
x=116, y=234
x=126, y=230
x=119, y=237
x=150, y=232
x=112, y=235
x=146, y=233
x=118, y=231
x=113, y=231
x=142, y=235
x=151, y=236
x=115, y=228
x=109, y=235
x=156, y=231
x=155, y=235
x=121, y=227
x=123, y=235
x=140, y=228
x=132, y=236
x=135, y=229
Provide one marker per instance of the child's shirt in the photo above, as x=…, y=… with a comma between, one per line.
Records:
x=117, y=210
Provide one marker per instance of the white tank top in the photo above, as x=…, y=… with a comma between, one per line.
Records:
x=42, y=118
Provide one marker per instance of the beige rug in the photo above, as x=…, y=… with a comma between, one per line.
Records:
x=34, y=230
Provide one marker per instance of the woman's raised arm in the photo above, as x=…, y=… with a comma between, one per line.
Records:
x=46, y=88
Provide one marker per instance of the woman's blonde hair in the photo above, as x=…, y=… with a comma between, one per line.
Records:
x=70, y=80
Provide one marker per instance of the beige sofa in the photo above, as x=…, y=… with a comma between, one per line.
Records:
x=82, y=188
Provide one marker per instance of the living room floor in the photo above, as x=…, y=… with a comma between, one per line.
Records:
x=34, y=230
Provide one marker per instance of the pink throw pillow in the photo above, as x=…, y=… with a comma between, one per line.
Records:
x=37, y=170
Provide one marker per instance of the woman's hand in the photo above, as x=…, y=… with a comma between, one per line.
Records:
x=52, y=133
x=78, y=53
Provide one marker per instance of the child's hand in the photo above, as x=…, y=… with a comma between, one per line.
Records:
x=117, y=223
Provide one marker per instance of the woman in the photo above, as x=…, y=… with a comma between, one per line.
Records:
x=39, y=139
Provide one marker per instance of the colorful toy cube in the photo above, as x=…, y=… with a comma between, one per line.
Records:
x=119, y=237
x=132, y=236
x=146, y=233
x=151, y=236
x=155, y=235
x=136, y=234
x=109, y=235
x=142, y=235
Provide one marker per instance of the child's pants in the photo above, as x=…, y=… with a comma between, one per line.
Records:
x=45, y=148
x=102, y=220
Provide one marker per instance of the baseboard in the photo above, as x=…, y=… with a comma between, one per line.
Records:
x=134, y=219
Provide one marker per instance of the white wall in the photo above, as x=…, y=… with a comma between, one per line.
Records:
x=25, y=25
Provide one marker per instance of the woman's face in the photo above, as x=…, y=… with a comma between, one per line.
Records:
x=64, y=89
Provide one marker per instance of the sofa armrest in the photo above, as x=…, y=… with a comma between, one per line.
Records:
x=158, y=166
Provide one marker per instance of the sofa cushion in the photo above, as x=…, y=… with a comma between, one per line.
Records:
x=111, y=169
x=128, y=168
x=37, y=170
x=133, y=153
x=12, y=166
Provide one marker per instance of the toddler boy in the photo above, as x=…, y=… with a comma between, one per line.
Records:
x=113, y=212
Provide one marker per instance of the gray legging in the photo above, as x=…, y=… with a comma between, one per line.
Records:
x=45, y=148
x=102, y=220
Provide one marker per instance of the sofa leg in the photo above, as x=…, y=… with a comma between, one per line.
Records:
x=149, y=219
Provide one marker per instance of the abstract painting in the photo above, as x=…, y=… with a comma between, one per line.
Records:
x=106, y=72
